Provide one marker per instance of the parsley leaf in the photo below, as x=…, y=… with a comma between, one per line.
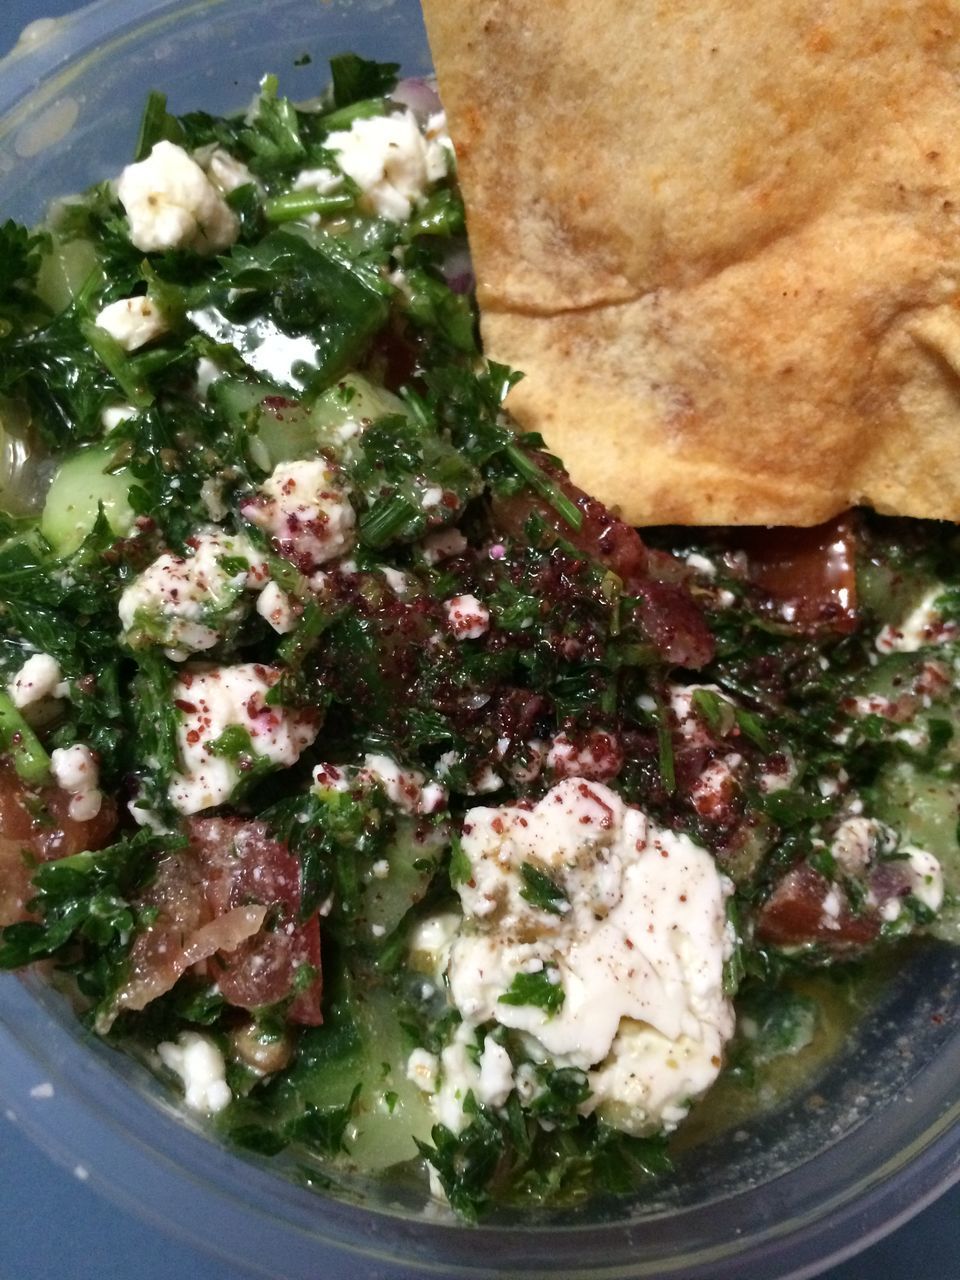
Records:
x=355, y=78
x=542, y=891
x=538, y=988
x=297, y=314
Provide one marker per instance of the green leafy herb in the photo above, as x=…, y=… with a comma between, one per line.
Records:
x=157, y=125
x=543, y=989
x=540, y=890
x=355, y=78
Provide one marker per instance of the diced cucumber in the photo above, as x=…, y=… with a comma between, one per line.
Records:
x=387, y=899
x=894, y=675
x=352, y=400
x=281, y=430
x=235, y=398
x=371, y=1052
x=64, y=271
x=80, y=486
x=924, y=808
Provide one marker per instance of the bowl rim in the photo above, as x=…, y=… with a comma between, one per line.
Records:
x=108, y=1113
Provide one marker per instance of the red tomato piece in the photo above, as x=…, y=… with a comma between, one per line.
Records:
x=241, y=864
x=809, y=574
x=668, y=611
x=35, y=826
x=796, y=913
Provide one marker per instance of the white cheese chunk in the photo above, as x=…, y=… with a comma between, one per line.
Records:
x=467, y=618
x=115, y=414
x=423, y=1069
x=305, y=507
x=75, y=770
x=637, y=950
x=431, y=941
x=211, y=700
x=187, y=603
x=598, y=755
x=276, y=607
x=691, y=725
x=323, y=181
x=172, y=204
x=391, y=161
x=132, y=322
x=858, y=841
x=40, y=677
x=442, y=544
x=408, y=789
x=201, y=1066
x=226, y=171
x=208, y=372
x=926, y=877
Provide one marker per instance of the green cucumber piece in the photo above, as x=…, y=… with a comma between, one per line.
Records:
x=65, y=270
x=81, y=486
x=363, y=1045
x=283, y=430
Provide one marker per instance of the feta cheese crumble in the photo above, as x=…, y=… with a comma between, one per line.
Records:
x=115, y=414
x=467, y=618
x=186, y=603
x=172, y=204
x=75, y=770
x=226, y=171
x=857, y=841
x=276, y=608
x=305, y=507
x=407, y=789
x=637, y=954
x=212, y=700
x=201, y=1066
x=39, y=677
x=391, y=161
x=926, y=877
x=132, y=322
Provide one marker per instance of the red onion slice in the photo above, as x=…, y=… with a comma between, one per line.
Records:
x=420, y=95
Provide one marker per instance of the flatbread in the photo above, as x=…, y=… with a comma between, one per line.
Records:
x=722, y=241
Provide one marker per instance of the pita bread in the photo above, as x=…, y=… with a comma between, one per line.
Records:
x=722, y=241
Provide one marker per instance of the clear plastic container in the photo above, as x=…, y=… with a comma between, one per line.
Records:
x=784, y=1195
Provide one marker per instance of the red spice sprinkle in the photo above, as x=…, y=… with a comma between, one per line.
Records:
x=182, y=705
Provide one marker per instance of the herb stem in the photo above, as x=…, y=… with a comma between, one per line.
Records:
x=539, y=481
x=300, y=204
x=668, y=772
x=18, y=740
x=343, y=117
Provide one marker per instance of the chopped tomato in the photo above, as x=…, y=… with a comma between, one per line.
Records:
x=242, y=864
x=232, y=900
x=35, y=826
x=668, y=611
x=799, y=911
x=809, y=574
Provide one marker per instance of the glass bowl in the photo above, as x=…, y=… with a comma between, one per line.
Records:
x=787, y=1193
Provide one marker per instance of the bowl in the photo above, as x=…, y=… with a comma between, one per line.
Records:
x=868, y=1142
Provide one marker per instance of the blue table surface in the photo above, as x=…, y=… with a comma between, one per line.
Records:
x=54, y=1225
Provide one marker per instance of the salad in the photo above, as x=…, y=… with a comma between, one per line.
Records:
x=375, y=785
